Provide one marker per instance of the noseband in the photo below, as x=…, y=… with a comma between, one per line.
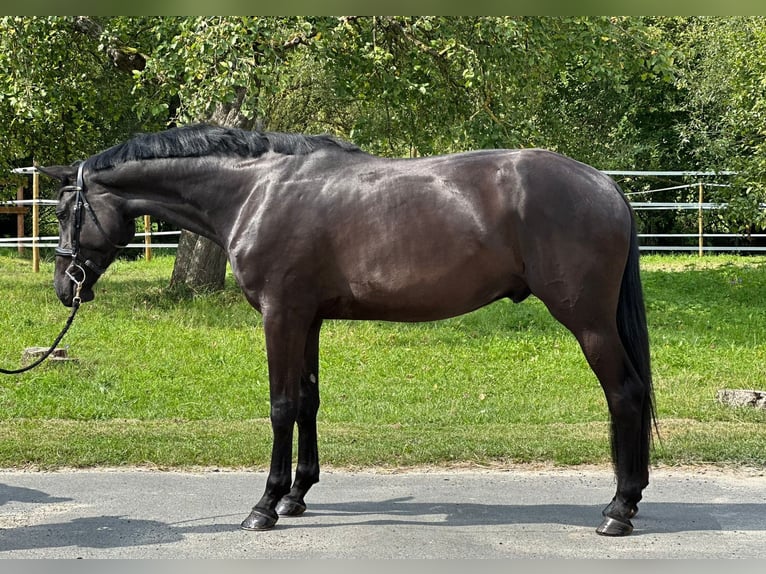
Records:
x=78, y=262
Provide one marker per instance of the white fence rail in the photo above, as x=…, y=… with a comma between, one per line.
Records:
x=36, y=242
x=700, y=206
x=50, y=241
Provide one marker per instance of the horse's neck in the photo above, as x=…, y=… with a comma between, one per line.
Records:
x=188, y=198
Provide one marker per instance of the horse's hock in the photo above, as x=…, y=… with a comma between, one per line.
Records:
x=742, y=398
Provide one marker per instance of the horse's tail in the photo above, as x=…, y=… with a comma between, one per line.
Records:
x=634, y=334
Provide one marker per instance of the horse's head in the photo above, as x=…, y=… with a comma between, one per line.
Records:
x=92, y=230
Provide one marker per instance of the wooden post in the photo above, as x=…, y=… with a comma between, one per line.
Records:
x=699, y=222
x=20, y=221
x=147, y=237
x=35, y=221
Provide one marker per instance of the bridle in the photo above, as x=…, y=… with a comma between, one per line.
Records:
x=78, y=263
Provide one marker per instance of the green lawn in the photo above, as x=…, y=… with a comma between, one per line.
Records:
x=172, y=382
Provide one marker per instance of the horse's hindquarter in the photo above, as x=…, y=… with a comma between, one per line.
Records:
x=574, y=230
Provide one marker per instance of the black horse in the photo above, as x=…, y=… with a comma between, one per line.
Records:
x=317, y=229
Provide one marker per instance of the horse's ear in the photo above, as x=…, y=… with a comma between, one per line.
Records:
x=62, y=173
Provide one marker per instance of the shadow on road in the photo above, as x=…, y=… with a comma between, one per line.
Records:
x=123, y=531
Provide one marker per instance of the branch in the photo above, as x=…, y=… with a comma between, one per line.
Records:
x=422, y=46
x=300, y=39
x=123, y=57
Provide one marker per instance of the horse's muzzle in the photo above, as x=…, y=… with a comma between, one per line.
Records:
x=70, y=284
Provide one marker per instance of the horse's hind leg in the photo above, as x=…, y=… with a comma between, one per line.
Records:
x=307, y=470
x=593, y=322
x=625, y=396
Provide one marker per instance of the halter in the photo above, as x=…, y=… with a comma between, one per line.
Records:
x=73, y=252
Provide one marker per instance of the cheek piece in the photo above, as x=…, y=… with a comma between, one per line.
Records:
x=76, y=269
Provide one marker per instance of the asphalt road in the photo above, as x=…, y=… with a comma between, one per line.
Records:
x=446, y=514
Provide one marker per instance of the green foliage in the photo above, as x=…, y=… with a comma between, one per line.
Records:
x=616, y=92
x=614, y=104
x=60, y=99
x=427, y=85
x=722, y=78
x=200, y=63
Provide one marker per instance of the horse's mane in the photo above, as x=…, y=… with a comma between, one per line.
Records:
x=205, y=140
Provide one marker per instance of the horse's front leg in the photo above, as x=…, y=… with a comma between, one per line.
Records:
x=307, y=470
x=285, y=343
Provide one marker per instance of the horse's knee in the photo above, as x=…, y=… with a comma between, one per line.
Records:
x=284, y=413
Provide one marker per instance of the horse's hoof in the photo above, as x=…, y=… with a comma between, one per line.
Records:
x=613, y=527
x=289, y=507
x=260, y=519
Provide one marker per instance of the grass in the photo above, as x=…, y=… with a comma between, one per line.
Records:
x=172, y=382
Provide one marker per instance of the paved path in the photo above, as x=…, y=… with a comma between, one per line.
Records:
x=518, y=513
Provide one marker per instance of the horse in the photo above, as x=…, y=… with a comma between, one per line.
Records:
x=317, y=229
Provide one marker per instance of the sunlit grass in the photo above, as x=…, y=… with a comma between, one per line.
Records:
x=167, y=381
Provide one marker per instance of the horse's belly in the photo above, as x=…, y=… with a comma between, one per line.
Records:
x=427, y=294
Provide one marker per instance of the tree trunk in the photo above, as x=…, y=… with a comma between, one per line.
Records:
x=200, y=264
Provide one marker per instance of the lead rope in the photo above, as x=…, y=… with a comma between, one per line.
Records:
x=75, y=306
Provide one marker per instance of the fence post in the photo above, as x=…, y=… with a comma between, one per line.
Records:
x=35, y=221
x=147, y=237
x=699, y=222
x=20, y=221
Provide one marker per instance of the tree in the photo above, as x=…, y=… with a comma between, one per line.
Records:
x=222, y=70
x=60, y=98
x=611, y=91
x=726, y=109
x=434, y=84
